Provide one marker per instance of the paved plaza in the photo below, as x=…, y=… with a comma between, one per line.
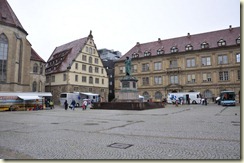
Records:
x=184, y=132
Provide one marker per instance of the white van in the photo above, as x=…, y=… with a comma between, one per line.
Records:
x=69, y=97
x=195, y=97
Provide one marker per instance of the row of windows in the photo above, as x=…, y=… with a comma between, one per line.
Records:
x=191, y=78
x=188, y=47
x=90, y=60
x=90, y=50
x=90, y=68
x=190, y=62
x=84, y=79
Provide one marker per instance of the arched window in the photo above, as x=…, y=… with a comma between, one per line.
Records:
x=90, y=80
x=34, y=86
x=35, y=68
x=90, y=59
x=90, y=69
x=158, y=96
x=3, y=57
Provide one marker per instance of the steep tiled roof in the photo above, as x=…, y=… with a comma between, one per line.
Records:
x=229, y=35
x=35, y=56
x=8, y=17
x=63, y=56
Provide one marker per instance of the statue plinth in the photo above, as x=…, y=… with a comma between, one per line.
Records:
x=128, y=92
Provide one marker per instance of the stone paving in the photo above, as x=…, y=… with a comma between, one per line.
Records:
x=186, y=132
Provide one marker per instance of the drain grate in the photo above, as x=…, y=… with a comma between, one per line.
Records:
x=54, y=123
x=120, y=145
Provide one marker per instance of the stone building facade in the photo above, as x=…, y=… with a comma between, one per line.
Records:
x=208, y=63
x=76, y=67
x=15, y=54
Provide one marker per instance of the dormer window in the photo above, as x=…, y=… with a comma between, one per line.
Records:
x=160, y=51
x=221, y=42
x=174, y=49
x=189, y=47
x=147, y=53
x=135, y=55
x=238, y=40
x=204, y=45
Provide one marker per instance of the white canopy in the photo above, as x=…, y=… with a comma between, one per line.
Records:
x=29, y=97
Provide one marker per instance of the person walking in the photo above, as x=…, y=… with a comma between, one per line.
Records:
x=65, y=105
x=51, y=104
x=73, y=104
x=84, y=105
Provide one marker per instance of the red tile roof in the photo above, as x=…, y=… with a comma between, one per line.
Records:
x=229, y=35
x=8, y=17
x=63, y=56
x=35, y=56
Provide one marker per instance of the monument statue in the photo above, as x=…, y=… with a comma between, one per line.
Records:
x=128, y=66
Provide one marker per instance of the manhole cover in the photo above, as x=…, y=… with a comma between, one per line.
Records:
x=120, y=145
x=91, y=124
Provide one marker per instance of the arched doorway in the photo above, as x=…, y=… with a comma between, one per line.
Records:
x=146, y=95
x=208, y=94
x=158, y=96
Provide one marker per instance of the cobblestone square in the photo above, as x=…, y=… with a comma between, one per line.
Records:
x=185, y=132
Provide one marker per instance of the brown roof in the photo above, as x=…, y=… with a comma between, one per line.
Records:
x=63, y=56
x=8, y=17
x=35, y=56
x=229, y=35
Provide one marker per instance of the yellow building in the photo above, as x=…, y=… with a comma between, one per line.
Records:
x=17, y=57
x=76, y=67
x=207, y=63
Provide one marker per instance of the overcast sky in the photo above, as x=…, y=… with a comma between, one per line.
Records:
x=119, y=24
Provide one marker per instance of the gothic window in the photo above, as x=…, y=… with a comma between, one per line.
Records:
x=35, y=68
x=3, y=57
x=34, y=86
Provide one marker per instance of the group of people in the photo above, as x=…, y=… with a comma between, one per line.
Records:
x=73, y=104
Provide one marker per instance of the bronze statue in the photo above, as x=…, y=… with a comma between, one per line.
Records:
x=128, y=66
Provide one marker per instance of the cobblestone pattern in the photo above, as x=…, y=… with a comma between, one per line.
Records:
x=184, y=132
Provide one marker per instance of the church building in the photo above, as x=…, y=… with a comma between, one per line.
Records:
x=21, y=68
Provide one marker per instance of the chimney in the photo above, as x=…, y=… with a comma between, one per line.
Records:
x=188, y=35
x=137, y=43
x=159, y=40
x=230, y=27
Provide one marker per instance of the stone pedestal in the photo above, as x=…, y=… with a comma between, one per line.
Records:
x=128, y=92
